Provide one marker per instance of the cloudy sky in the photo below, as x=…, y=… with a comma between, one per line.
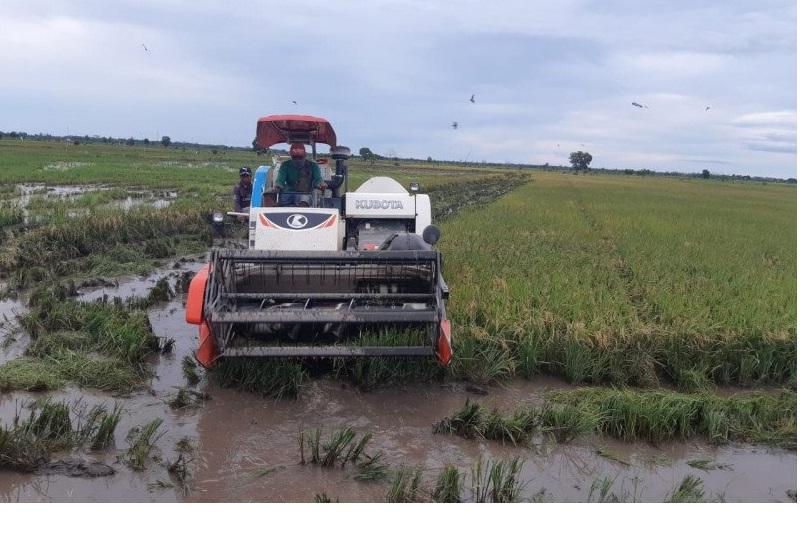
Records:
x=548, y=77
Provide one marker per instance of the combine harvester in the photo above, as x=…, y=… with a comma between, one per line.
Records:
x=326, y=274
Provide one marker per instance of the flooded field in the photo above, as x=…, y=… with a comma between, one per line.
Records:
x=245, y=448
x=93, y=274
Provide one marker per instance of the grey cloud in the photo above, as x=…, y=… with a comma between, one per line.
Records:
x=393, y=75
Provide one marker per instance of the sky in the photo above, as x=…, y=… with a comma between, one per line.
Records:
x=548, y=77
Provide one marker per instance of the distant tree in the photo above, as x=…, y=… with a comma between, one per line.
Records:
x=580, y=160
x=629, y=171
x=1, y=134
x=255, y=144
x=146, y=141
x=430, y=159
x=165, y=141
x=214, y=151
x=365, y=153
x=706, y=174
x=792, y=180
x=130, y=141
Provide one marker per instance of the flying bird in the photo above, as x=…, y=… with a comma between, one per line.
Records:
x=708, y=107
x=454, y=125
x=472, y=99
x=294, y=102
x=640, y=106
x=145, y=48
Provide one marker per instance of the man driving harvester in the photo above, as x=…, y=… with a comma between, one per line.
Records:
x=298, y=176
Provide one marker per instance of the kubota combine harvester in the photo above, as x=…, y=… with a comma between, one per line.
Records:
x=326, y=274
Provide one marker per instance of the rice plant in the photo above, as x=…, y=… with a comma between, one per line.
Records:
x=406, y=486
x=107, y=425
x=179, y=472
x=601, y=492
x=372, y=468
x=51, y=421
x=341, y=447
x=142, y=439
x=689, y=491
x=48, y=427
x=515, y=429
x=707, y=465
x=467, y=422
x=449, y=485
x=275, y=379
x=565, y=422
x=497, y=481
x=189, y=368
x=658, y=416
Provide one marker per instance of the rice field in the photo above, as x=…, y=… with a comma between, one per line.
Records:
x=628, y=281
x=664, y=308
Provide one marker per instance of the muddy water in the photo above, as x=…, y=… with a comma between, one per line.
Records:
x=246, y=446
x=241, y=438
x=13, y=339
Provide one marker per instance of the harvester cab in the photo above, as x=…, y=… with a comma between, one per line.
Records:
x=327, y=272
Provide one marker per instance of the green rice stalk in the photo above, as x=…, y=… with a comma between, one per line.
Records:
x=142, y=439
x=406, y=486
x=689, y=491
x=448, y=485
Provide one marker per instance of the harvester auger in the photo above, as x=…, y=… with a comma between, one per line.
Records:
x=326, y=274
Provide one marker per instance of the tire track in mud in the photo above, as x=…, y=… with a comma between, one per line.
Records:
x=646, y=311
x=448, y=200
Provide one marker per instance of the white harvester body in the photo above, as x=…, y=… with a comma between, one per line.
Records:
x=327, y=273
x=376, y=210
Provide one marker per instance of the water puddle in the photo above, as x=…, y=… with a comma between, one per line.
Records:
x=13, y=339
x=195, y=164
x=242, y=436
x=155, y=200
x=61, y=166
x=139, y=285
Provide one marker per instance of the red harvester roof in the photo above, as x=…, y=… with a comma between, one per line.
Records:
x=274, y=129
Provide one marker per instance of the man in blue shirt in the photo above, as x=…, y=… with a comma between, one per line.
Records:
x=243, y=191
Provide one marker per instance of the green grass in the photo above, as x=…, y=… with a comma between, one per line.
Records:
x=94, y=345
x=10, y=216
